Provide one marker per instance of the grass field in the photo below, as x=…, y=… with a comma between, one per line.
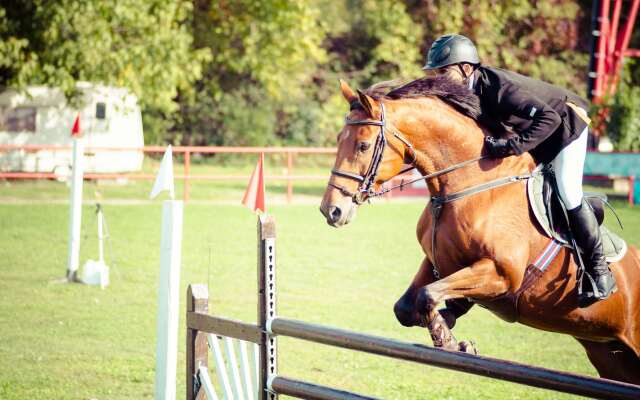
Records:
x=60, y=341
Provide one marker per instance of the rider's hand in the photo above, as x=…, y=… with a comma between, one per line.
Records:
x=498, y=148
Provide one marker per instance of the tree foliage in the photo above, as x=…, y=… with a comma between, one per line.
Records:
x=247, y=72
x=145, y=46
x=537, y=38
x=623, y=124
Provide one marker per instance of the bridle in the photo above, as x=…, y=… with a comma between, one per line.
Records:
x=365, y=189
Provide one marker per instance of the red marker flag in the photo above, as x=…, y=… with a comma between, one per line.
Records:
x=75, y=131
x=254, y=195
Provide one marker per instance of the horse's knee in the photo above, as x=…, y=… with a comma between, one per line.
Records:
x=405, y=310
x=425, y=302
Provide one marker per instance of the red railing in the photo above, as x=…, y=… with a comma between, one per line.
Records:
x=186, y=151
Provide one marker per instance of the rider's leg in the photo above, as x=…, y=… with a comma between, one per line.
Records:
x=568, y=167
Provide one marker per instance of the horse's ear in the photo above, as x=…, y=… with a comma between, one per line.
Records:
x=348, y=93
x=369, y=104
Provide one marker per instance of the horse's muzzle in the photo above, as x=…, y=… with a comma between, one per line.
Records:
x=336, y=216
x=333, y=214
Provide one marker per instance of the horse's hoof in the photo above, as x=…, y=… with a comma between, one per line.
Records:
x=468, y=347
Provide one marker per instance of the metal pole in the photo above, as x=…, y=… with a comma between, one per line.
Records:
x=305, y=390
x=621, y=46
x=595, y=34
x=484, y=366
x=603, y=30
x=267, y=304
x=615, y=20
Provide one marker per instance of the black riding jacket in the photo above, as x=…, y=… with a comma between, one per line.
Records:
x=535, y=110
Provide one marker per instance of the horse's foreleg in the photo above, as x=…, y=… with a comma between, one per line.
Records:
x=480, y=280
x=409, y=313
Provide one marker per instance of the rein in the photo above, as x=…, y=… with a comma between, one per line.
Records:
x=365, y=189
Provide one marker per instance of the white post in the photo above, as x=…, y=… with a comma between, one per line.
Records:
x=100, y=236
x=75, y=214
x=206, y=383
x=169, y=288
x=256, y=370
x=245, y=369
x=238, y=392
x=168, y=300
x=221, y=368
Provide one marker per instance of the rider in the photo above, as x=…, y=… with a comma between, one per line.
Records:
x=550, y=122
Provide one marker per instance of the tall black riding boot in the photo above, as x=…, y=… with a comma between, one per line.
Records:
x=586, y=232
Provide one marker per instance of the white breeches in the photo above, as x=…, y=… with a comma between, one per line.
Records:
x=569, y=167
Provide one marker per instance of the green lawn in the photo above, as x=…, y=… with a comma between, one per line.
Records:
x=61, y=341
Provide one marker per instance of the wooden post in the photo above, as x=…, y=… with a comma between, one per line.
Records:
x=197, y=301
x=267, y=303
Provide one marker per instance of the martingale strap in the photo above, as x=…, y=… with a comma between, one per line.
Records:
x=437, y=202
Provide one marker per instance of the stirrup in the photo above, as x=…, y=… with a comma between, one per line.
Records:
x=588, y=297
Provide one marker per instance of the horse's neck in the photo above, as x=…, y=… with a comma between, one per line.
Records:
x=443, y=137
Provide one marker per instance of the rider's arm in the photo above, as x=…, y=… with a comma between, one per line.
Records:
x=523, y=104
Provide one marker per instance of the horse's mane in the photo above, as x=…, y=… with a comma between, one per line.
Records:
x=442, y=87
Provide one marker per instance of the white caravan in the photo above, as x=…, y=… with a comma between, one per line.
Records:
x=109, y=117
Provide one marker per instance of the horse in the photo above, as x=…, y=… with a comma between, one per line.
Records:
x=483, y=242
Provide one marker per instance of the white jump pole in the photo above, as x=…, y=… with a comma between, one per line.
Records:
x=169, y=285
x=75, y=203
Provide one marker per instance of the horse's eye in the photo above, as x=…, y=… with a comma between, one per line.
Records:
x=364, y=146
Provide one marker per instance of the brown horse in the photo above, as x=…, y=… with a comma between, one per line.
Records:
x=485, y=241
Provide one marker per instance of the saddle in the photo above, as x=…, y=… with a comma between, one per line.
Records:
x=548, y=210
x=550, y=216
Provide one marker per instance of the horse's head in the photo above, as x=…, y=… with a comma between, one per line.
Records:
x=370, y=151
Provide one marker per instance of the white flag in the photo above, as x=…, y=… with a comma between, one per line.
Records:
x=164, y=179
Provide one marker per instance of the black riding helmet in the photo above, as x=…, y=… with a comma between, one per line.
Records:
x=451, y=49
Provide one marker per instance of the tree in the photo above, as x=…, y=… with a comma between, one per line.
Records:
x=537, y=38
x=144, y=46
x=275, y=67
x=623, y=122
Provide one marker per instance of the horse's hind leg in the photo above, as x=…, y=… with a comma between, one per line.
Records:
x=613, y=360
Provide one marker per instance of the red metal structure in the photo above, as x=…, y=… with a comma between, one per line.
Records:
x=611, y=29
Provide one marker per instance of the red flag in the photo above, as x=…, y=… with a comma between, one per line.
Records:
x=75, y=131
x=254, y=195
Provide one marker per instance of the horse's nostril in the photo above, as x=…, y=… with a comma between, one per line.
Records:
x=335, y=213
